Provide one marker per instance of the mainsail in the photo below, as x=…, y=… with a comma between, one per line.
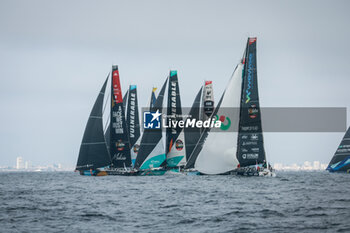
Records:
x=218, y=154
x=207, y=100
x=175, y=139
x=151, y=153
x=119, y=140
x=250, y=141
x=133, y=122
x=192, y=135
x=108, y=130
x=93, y=150
x=341, y=159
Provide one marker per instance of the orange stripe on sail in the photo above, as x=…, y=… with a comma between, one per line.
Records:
x=171, y=145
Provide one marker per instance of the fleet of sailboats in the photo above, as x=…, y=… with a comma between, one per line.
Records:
x=235, y=146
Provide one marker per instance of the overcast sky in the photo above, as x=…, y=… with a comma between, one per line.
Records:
x=55, y=55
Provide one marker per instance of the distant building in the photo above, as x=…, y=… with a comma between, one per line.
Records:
x=27, y=165
x=278, y=166
x=295, y=167
x=19, y=163
x=306, y=166
x=316, y=165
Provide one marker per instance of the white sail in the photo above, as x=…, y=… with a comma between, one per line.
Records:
x=176, y=156
x=218, y=154
x=134, y=150
x=155, y=158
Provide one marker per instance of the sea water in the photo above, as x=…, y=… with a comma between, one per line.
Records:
x=68, y=202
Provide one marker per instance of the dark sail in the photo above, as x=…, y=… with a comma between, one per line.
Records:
x=133, y=122
x=197, y=149
x=132, y=116
x=208, y=100
x=125, y=99
x=93, y=150
x=119, y=140
x=150, y=137
x=174, y=113
x=250, y=148
x=192, y=135
x=341, y=159
x=108, y=130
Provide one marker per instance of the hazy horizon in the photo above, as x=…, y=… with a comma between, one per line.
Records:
x=56, y=55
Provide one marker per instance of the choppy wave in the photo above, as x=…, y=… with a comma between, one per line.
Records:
x=68, y=202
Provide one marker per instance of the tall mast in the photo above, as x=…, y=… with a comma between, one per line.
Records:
x=119, y=140
x=250, y=142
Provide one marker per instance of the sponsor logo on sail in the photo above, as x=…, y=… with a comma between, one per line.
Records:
x=249, y=78
x=249, y=143
x=117, y=93
x=208, y=98
x=253, y=111
x=252, y=40
x=117, y=119
x=119, y=156
x=173, y=103
x=179, y=145
x=249, y=128
x=222, y=119
x=120, y=145
x=250, y=156
x=132, y=115
x=136, y=148
x=207, y=93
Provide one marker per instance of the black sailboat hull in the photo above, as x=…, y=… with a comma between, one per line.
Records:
x=118, y=172
x=92, y=172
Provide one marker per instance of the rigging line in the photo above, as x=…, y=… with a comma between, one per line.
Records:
x=92, y=143
x=104, y=108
